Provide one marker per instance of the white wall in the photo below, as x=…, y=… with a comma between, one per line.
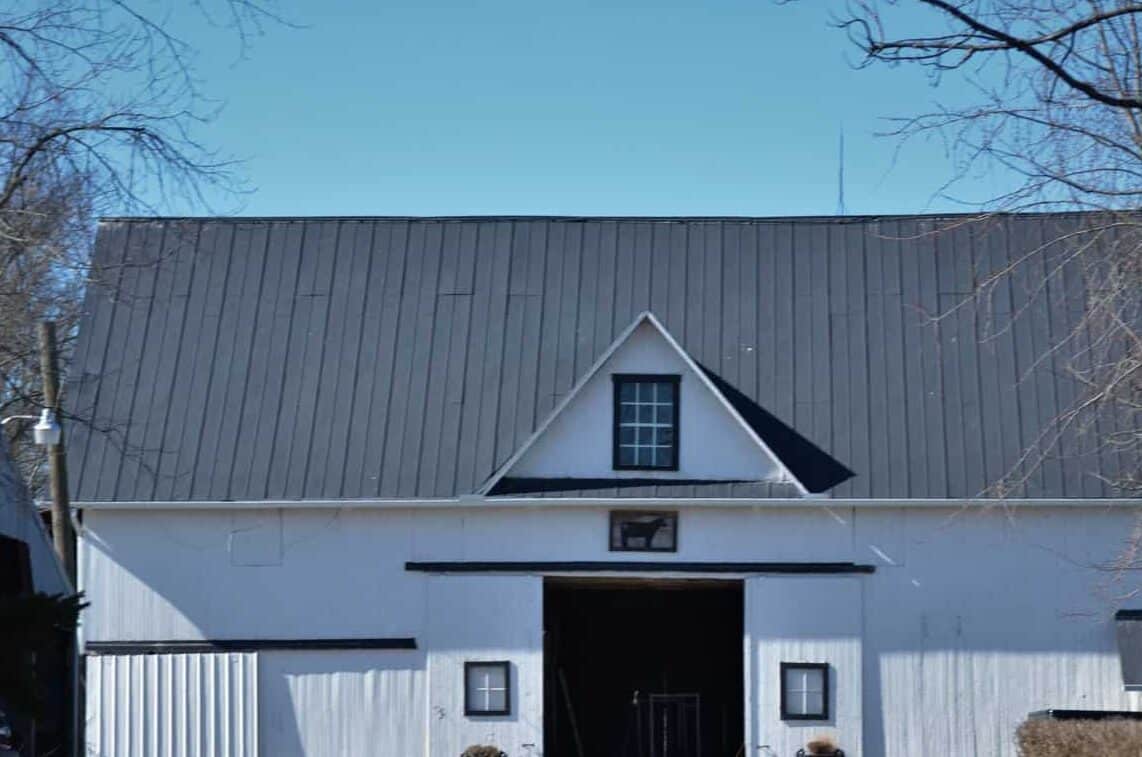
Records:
x=986, y=617
x=174, y=574
x=319, y=703
x=201, y=574
x=971, y=620
x=489, y=618
x=712, y=445
x=803, y=619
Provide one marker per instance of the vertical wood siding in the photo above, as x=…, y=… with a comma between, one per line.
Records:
x=327, y=704
x=972, y=620
x=474, y=618
x=172, y=705
x=811, y=619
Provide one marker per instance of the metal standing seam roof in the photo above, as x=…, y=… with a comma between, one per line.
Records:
x=248, y=359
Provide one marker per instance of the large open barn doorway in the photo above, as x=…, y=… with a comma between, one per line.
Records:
x=643, y=668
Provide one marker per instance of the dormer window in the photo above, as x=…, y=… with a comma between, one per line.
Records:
x=646, y=422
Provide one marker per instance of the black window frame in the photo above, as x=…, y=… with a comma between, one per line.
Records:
x=825, y=691
x=618, y=379
x=475, y=713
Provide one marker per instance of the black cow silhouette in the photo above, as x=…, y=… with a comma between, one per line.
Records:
x=644, y=529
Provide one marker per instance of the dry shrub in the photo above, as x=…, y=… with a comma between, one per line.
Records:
x=821, y=745
x=483, y=751
x=1080, y=738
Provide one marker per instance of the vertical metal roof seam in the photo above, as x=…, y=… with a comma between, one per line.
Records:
x=471, y=391
x=866, y=481
x=977, y=342
x=939, y=342
x=419, y=418
x=907, y=410
x=101, y=415
x=94, y=408
x=831, y=442
x=498, y=393
x=357, y=453
x=1048, y=399
x=354, y=416
x=466, y=343
x=406, y=355
x=535, y=406
x=125, y=445
x=213, y=357
x=723, y=319
x=383, y=450
x=281, y=384
x=1093, y=485
x=179, y=352
x=536, y=409
x=194, y=402
x=1016, y=402
x=323, y=344
x=249, y=354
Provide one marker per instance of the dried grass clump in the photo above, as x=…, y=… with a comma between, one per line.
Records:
x=483, y=751
x=1079, y=738
x=821, y=745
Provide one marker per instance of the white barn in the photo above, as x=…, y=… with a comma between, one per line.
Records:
x=574, y=487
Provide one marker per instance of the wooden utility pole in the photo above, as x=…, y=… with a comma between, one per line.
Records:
x=63, y=537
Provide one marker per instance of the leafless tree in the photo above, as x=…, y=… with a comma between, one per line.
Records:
x=1056, y=109
x=99, y=107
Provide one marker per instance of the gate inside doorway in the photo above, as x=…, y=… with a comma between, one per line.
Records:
x=643, y=668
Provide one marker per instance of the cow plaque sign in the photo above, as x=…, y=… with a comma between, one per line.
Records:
x=644, y=531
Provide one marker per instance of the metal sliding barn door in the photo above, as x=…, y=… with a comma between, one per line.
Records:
x=172, y=705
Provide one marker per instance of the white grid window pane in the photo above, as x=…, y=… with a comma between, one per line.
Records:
x=804, y=691
x=487, y=688
x=646, y=415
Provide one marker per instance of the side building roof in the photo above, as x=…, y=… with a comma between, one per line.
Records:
x=251, y=359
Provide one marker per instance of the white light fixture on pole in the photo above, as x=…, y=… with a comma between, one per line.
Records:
x=46, y=432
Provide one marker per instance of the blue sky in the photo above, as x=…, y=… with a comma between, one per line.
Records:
x=719, y=107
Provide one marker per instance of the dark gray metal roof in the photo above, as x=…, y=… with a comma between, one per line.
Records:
x=328, y=358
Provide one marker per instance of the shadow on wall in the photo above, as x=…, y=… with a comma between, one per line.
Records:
x=816, y=469
x=349, y=702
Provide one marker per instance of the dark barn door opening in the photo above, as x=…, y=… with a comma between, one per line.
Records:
x=642, y=668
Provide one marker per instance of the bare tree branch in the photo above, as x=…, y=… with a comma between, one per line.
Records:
x=99, y=110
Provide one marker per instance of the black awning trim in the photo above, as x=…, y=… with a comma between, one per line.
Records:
x=612, y=566
x=1084, y=715
x=241, y=645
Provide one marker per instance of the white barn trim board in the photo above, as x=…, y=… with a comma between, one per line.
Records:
x=343, y=579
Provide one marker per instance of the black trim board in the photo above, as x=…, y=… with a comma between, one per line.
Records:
x=630, y=566
x=241, y=645
x=1084, y=715
x=531, y=485
x=1128, y=615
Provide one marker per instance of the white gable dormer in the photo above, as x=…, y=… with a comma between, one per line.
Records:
x=645, y=411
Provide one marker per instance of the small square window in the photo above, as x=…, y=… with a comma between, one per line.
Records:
x=487, y=688
x=646, y=422
x=804, y=691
